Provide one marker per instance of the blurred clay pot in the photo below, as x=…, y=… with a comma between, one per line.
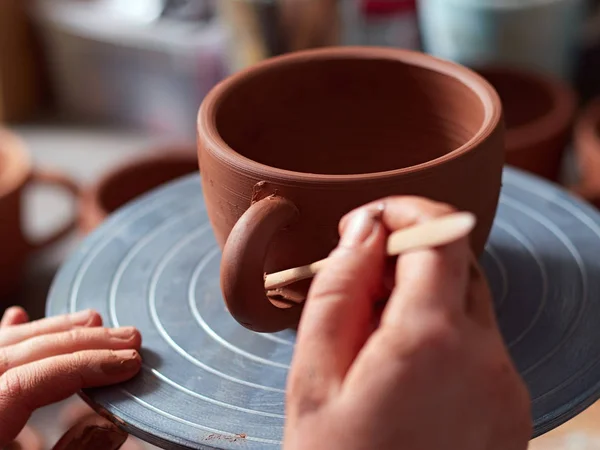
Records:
x=539, y=113
x=131, y=179
x=587, y=146
x=16, y=174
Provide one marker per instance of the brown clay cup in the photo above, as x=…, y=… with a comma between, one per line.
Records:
x=587, y=147
x=17, y=173
x=539, y=113
x=130, y=180
x=289, y=146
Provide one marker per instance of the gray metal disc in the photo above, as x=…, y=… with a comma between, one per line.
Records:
x=207, y=382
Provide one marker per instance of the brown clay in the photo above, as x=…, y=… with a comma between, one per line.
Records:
x=587, y=146
x=290, y=145
x=132, y=179
x=539, y=113
x=16, y=173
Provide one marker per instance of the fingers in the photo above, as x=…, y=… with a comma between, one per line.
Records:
x=336, y=317
x=431, y=279
x=402, y=211
x=72, y=341
x=432, y=282
x=17, y=333
x=25, y=388
x=92, y=433
x=14, y=315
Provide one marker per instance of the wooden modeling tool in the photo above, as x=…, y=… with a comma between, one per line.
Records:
x=433, y=233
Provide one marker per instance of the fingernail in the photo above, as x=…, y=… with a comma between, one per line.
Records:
x=361, y=226
x=123, y=333
x=124, y=361
x=81, y=317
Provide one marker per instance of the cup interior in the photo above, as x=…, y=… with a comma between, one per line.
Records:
x=525, y=99
x=137, y=179
x=347, y=116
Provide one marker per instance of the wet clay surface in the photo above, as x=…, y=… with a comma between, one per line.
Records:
x=326, y=117
x=539, y=114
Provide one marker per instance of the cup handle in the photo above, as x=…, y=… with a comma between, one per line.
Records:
x=242, y=266
x=45, y=176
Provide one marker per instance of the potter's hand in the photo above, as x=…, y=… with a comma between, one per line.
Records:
x=46, y=361
x=433, y=375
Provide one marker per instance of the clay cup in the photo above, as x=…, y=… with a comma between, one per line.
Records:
x=131, y=179
x=290, y=145
x=17, y=173
x=539, y=112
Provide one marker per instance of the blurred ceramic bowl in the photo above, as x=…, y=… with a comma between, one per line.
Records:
x=539, y=111
x=131, y=179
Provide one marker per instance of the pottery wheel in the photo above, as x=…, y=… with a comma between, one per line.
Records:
x=208, y=383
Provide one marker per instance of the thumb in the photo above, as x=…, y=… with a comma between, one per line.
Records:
x=92, y=433
x=339, y=309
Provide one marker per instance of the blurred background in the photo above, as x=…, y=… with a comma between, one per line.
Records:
x=102, y=95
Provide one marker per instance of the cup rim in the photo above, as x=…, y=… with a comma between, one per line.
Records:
x=15, y=162
x=216, y=145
